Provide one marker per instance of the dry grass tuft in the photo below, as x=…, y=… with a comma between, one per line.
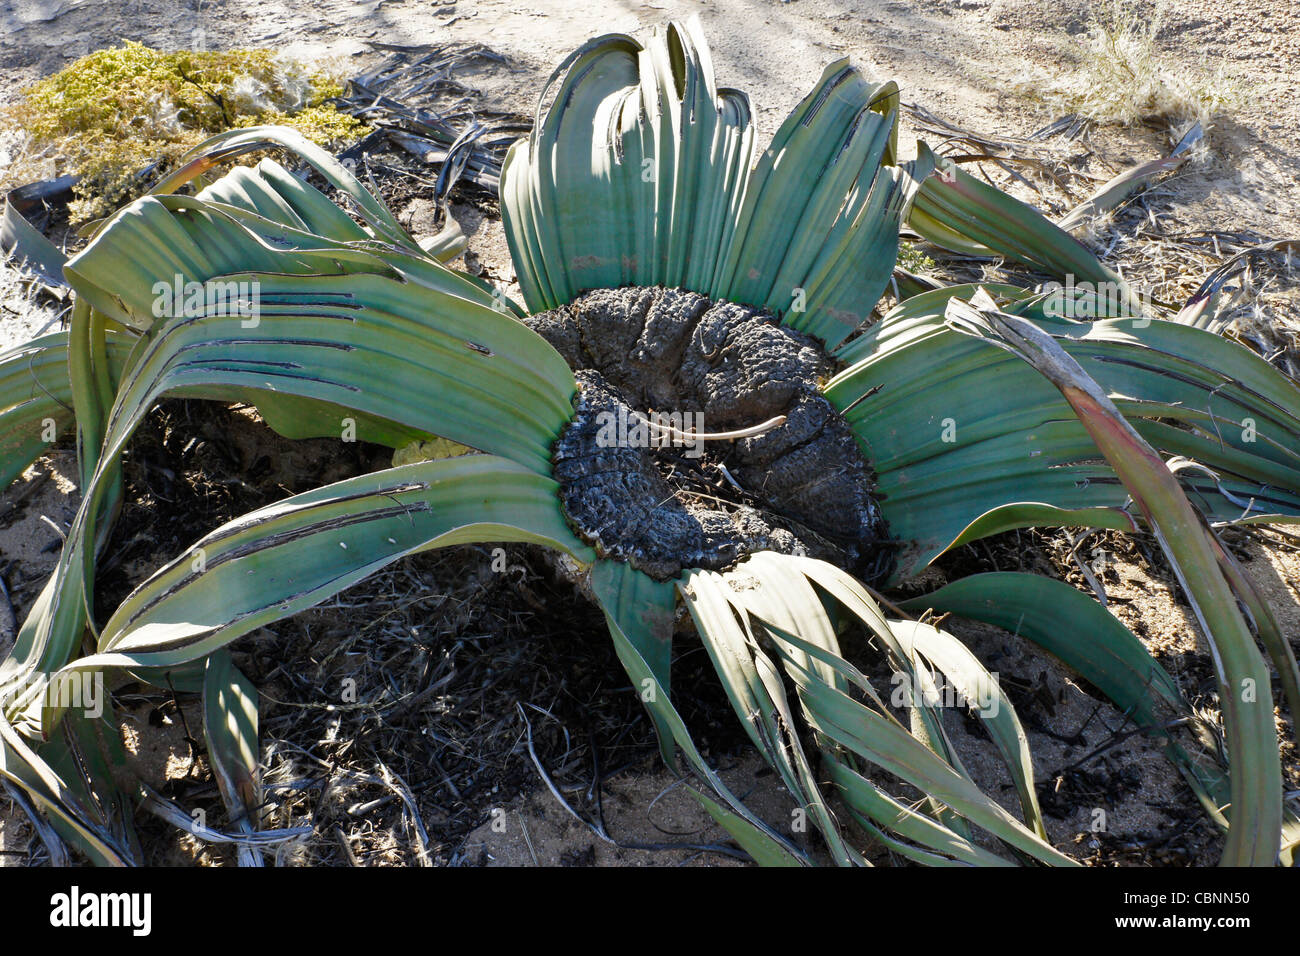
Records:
x=1119, y=76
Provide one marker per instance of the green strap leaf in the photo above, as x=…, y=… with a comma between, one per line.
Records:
x=292, y=555
x=1199, y=563
x=271, y=191
x=759, y=839
x=226, y=146
x=753, y=685
x=955, y=210
x=1071, y=626
x=639, y=174
x=997, y=447
x=817, y=237
x=36, y=396
x=772, y=594
x=871, y=804
x=1087, y=638
x=643, y=608
x=982, y=691
x=633, y=177
x=416, y=347
x=72, y=805
x=230, y=728
x=751, y=839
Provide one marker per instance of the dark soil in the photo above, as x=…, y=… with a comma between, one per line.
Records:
x=450, y=677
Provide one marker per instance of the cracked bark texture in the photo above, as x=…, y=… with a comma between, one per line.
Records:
x=804, y=486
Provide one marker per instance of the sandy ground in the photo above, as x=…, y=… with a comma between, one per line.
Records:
x=964, y=60
x=969, y=61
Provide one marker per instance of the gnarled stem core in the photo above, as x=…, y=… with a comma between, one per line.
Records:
x=659, y=371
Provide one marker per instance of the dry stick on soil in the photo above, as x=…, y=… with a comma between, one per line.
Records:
x=598, y=828
x=48, y=836
x=1202, y=566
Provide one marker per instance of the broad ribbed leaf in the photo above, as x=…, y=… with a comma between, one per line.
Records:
x=402, y=340
x=753, y=840
x=1087, y=638
x=633, y=177
x=639, y=174
x=231, y=144
x=36, y=390
x=753, y=684
x=882, y=816
x=1071, y=626
x=981, y=691
x=1200, y=563
x=430, y=363
x=269, y=190
x=63, y=800
x=294, y=554
x=817, y=237
x=23, y=243
x=997, y=447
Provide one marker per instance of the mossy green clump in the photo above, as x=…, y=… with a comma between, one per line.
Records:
x=429, y=451
x=115, y=112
